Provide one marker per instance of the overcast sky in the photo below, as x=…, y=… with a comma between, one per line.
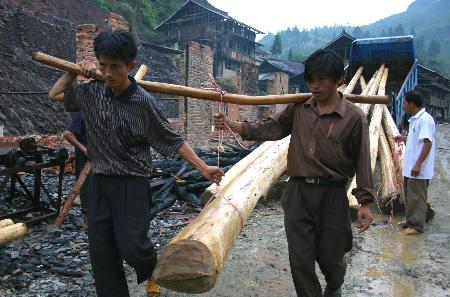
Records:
x=276, y=15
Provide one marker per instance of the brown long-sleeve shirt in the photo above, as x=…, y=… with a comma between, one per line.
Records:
x=334, y=146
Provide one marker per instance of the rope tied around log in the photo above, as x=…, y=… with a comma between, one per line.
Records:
x=213, y=86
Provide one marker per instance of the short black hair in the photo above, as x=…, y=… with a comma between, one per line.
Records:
x=117, y=44
x=326, y=63
x=415, y=97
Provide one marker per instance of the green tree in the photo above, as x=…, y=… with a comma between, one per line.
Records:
x=420, y=45
x=434, y=49
x=276, y=46
x=357, y=32
x=399, y=30
x=383, y=33
x=290, y=56
x=390, y=32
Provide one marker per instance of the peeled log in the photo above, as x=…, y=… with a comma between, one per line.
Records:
x=397, y=148
x=12, y=232
x=6, y=222
x=191, y=262
x=205, y=94
x=362, y=83
x=389, y=182
x=236, y=171
x=351, y=85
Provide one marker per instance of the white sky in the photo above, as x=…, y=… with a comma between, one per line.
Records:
x=275, y=15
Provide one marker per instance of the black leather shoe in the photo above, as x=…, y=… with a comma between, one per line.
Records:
x=329, y=293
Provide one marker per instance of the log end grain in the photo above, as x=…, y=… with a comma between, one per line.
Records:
x=186, y=266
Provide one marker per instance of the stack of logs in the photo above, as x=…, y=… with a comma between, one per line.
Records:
x=10, y=231
x=382, y=130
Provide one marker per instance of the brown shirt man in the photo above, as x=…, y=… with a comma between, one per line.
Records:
x=332, y=146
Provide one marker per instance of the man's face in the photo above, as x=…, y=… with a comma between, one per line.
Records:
x=322, y=87
x=115, y=71
x=408, y=106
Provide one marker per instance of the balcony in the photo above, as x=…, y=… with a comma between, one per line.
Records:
x=435, y=102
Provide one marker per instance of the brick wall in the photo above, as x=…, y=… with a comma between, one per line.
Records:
x=278, y=86
x=247, y=80
x=196, y=115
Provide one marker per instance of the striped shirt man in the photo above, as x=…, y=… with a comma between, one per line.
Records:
x=121, y=129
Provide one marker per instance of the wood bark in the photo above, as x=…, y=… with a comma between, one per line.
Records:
x=12, y=232
x=191, y=262
x=6, y=222
x=206, y=94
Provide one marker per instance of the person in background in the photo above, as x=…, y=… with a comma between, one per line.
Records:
x=418, y=162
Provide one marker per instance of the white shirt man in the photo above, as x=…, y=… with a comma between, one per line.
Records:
x=418, y=162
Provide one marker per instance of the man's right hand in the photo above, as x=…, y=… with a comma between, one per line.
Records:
x=400, y=138
x=221, y=119
x=88, y=69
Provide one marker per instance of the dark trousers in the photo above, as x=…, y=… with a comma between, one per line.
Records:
x=317, y=224
x=119, y=218
x=416, y=202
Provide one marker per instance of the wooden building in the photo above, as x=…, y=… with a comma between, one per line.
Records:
x=435, y=88
x=341, y=45
x=233, y=42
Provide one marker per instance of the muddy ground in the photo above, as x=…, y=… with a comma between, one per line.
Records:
x=382, y=262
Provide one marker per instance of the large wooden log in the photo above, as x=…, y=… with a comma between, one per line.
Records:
x=236, y=171
x=191, y=262
x=6, y=222
x=351, y=85
x=397, y=148
x=389, y=190
x=12, y=232
x=206, y=94
x=141, y=72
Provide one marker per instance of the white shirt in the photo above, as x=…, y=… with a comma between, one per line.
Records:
x=421, y=126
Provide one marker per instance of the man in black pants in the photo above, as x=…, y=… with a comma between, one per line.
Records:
x=75, y=134
x=123, y=123
x=329, y=144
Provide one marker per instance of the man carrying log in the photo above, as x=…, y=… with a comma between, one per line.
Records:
x=123, y=123
x=418, y=163
x=329, y=144
x=75, y=134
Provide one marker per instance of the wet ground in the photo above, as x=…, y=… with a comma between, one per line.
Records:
x=383, y=262
x=55, y=262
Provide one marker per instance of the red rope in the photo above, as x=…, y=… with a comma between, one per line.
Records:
x=212, y=85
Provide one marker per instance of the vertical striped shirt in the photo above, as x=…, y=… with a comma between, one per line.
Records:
x=121, y=129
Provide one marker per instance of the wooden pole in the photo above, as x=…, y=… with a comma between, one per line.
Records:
x=397, y=148
x=73, y=194
x=362, y=82
x=6, y=222
x=12, y=232
x=389, y=183
x=206, y=94
x=192, y=260
x=141, y=72
x=351, y=85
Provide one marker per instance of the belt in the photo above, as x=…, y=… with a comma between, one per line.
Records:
x=323, y=181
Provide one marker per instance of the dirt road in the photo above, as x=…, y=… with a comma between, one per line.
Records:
x=382, y=262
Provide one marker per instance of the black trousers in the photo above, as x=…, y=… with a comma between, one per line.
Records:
x=119, y=218
x=317, y=223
